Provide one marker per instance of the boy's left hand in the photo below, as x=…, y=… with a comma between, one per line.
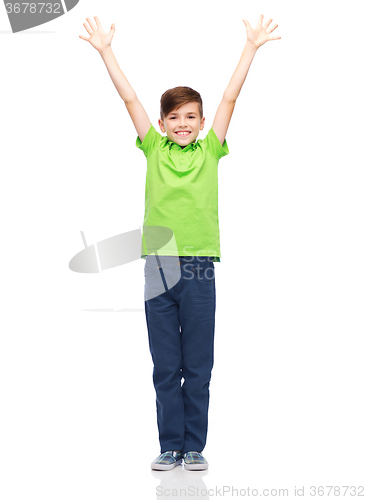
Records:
x=259, y=35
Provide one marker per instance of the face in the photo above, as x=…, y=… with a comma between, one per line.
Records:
x=184, y=119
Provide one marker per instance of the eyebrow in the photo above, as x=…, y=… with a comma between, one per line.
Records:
x=190, y=113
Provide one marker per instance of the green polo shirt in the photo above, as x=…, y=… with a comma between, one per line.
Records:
x=181, y=193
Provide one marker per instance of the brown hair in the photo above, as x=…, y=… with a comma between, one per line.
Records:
x=176, y=97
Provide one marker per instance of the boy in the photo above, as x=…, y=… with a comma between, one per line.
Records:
x=180, y=295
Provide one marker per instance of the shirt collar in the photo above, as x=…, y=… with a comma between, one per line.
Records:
x=173, y=145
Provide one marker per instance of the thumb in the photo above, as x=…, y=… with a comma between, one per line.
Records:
x=113, y=29
x=247, y=25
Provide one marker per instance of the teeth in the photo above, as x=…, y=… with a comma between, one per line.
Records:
x=182, y=133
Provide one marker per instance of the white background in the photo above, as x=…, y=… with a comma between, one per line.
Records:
x=287, y=403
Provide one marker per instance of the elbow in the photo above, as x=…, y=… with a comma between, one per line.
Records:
x=229, y=97
x=130, y=98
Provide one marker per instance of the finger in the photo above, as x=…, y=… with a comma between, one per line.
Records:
x=274, y=27
x=260, y=21
x=83, y=37
x=99, y=24
x=247, y=25
x=267, y=24
x=92, y=25
x=112, y=30
x=274, y=38
x=87, y=29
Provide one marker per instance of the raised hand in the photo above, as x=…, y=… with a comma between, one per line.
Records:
x=259, y=35
x=98, y=37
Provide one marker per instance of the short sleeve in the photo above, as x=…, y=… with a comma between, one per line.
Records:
x=214, y=145
x=150, y=142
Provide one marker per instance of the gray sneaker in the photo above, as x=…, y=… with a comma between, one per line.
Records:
x=167, y=460
x=193, y=460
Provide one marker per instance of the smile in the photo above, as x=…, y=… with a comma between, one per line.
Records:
x=183, y=133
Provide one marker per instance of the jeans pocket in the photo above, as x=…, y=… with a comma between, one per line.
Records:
x=154, y=285
x=204, y=273
x=150, y=272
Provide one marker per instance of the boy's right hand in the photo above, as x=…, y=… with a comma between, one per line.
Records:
x=98, y=37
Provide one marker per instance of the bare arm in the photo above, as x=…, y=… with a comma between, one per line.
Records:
x=134, y=107
x=255, y=38
x=101, y=41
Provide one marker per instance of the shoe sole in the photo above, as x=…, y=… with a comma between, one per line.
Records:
x=196, y=466
x=165, y=466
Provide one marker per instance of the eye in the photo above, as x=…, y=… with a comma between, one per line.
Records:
x=191, y=117
x=172, y=117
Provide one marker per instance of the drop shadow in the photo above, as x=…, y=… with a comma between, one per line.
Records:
x=126, y=309
x=180, y=482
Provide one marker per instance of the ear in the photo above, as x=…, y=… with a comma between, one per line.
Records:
x=202, y=124
x=161, y=125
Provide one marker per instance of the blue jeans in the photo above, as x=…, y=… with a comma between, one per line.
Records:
x=180, y=304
